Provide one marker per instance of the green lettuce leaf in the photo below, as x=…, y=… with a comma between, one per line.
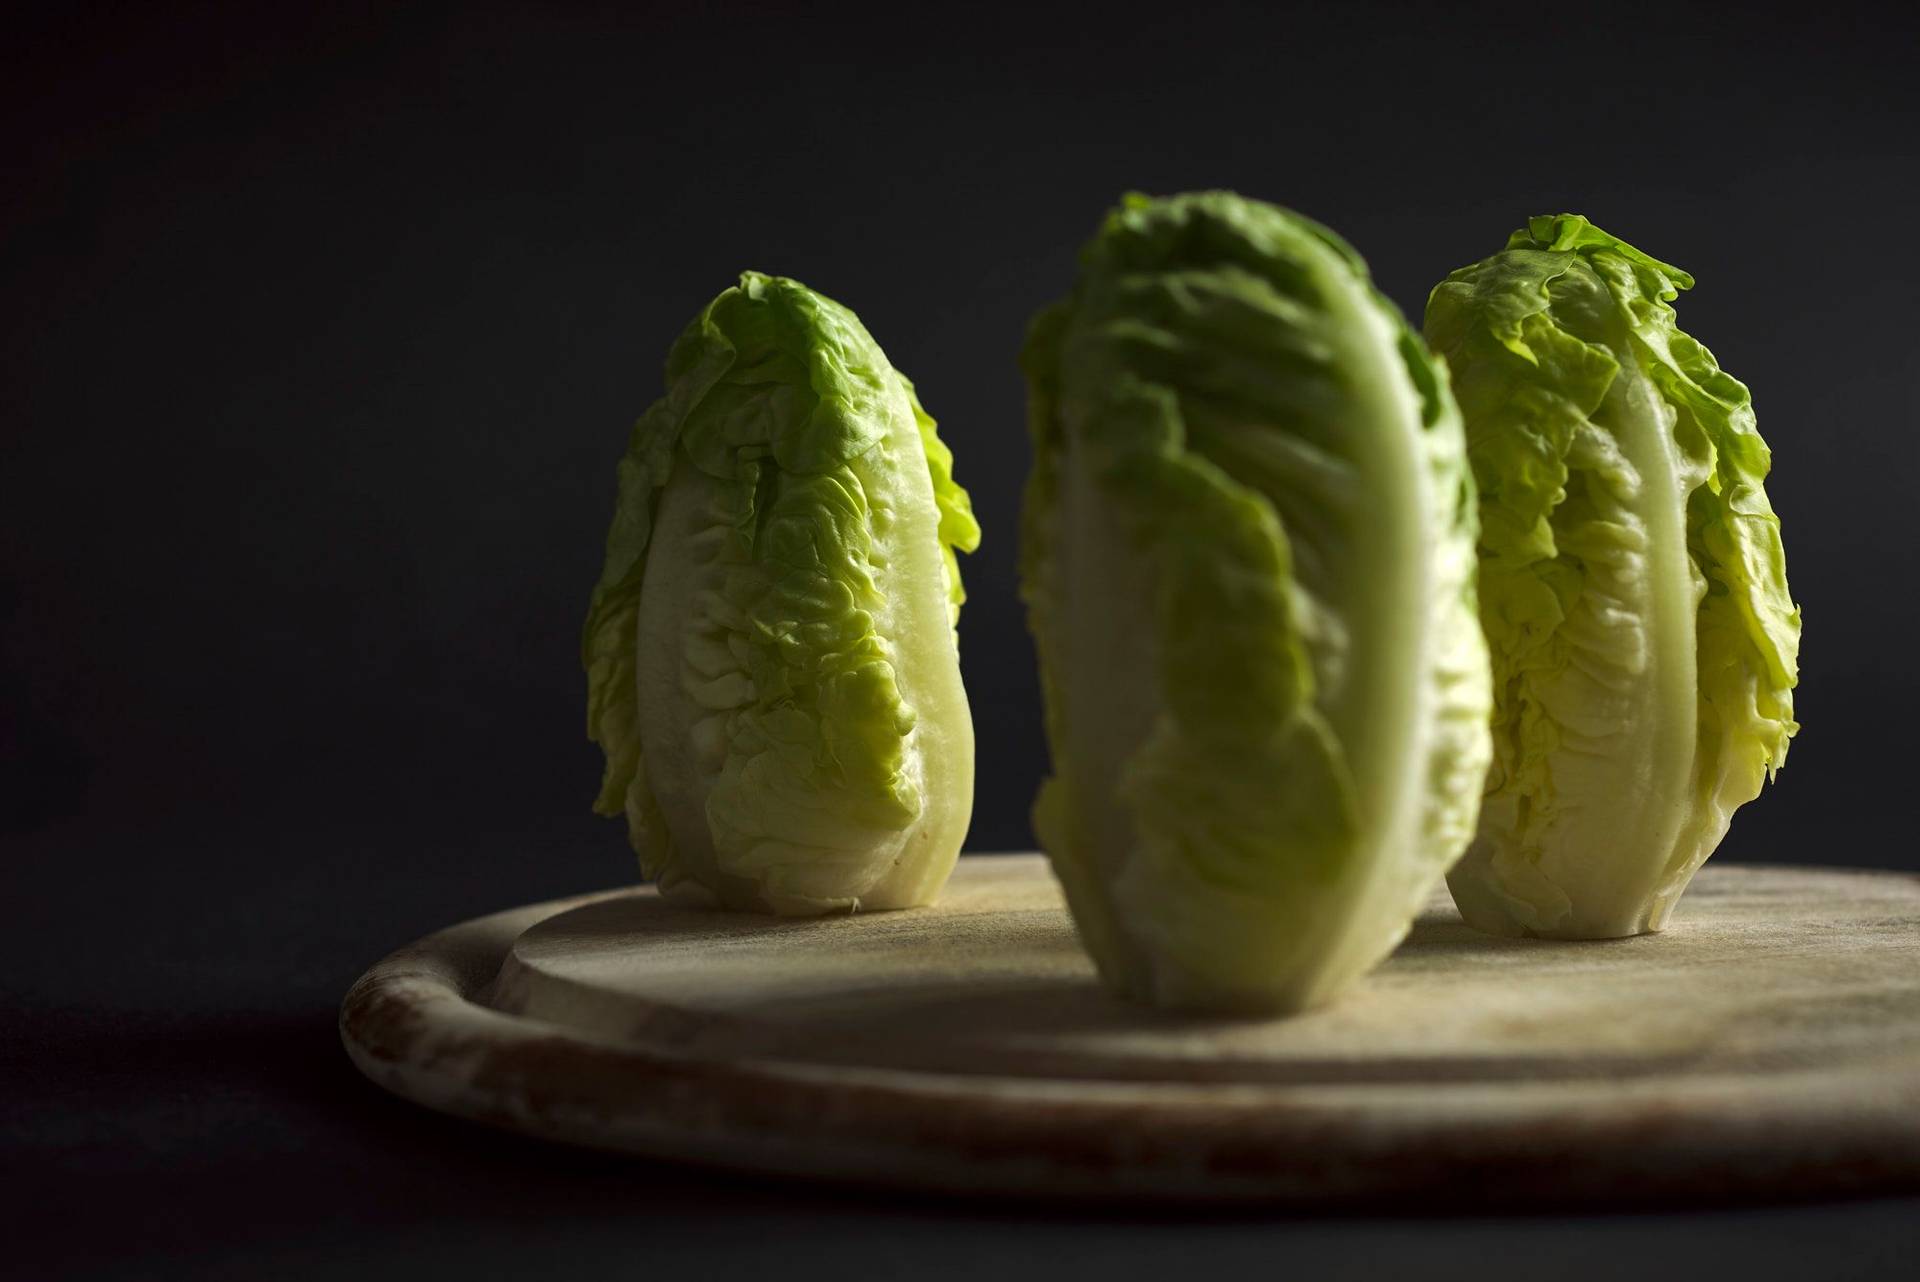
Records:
x=959, y=531
x=1632, y=585
x=772, y=668
x=1247, y=559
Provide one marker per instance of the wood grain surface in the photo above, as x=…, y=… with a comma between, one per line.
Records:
x=1768, y=1044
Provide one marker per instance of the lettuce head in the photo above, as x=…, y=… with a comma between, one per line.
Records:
x=772, y=666
x=1632, y=584
x=1248, y=562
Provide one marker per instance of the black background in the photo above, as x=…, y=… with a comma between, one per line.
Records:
x=322, y=335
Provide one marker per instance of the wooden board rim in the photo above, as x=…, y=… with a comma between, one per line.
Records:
x=418, y=1024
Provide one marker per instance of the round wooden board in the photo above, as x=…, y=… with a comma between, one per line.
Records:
x=1767, y=1044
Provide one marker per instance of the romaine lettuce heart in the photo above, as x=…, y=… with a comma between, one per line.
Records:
x=1632, y=585
x=1248, y=562
x=771, y=656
